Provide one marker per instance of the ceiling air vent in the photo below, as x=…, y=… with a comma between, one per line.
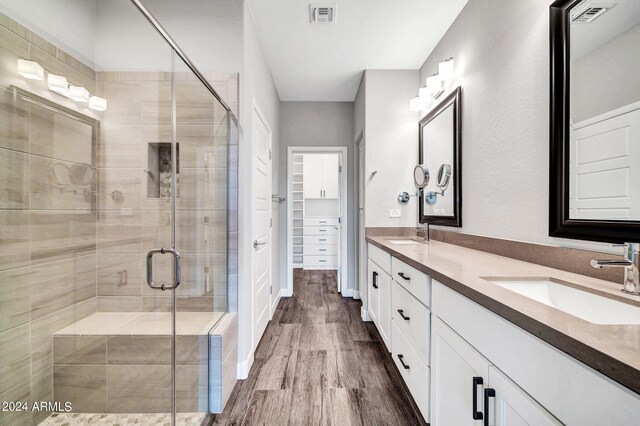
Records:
x=322, y=13
x=589, y=12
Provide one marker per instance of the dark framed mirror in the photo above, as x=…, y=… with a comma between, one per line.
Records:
x=595, y=120
x=439, y=152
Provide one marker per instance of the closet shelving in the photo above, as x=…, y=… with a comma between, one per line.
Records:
x=298, y=210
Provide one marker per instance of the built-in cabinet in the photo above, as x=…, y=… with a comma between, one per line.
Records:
x=321, y=246
x=321, y=173
x=465, y=365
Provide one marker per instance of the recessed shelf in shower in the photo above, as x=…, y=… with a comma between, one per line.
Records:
x=160, y=168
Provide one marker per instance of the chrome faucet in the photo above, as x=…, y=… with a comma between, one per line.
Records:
x=631, y=265
x=424, y=231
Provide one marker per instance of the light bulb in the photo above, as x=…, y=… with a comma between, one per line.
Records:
x=434, y=84
x=445, y=69
x=415, y=104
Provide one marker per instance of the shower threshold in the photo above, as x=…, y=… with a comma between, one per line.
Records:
x=161, y=419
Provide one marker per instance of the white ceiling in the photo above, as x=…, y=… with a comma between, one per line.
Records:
x=324, y=62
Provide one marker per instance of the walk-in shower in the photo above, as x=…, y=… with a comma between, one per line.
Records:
x=117, y=229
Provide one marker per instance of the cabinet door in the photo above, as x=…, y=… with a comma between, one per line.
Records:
x=384, y=308
x=374, y=289
x=313, y=169
x=331, y=184
x=457, y=373
x=511, y=406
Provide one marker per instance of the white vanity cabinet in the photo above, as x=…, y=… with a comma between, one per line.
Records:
x=528, y=381
x=379, y=291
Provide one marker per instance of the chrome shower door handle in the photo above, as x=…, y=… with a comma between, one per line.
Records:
x=257, y=244
x=177, y=269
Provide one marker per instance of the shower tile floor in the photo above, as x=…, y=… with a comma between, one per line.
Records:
x=161, y=419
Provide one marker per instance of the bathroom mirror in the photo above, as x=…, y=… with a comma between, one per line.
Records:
x=595, y=120
x=439, y=149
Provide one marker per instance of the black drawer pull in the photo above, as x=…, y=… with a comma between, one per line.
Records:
x=375, y=279
x=477, y=415
x=401, y=358
x=401, y=312
x=322, y=249
x=488, y=393
x=403, y=276
x=323, y=239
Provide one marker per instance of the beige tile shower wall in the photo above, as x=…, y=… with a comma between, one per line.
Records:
x=140, y=113
x=47, y=235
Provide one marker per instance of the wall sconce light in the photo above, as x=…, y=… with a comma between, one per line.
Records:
x=30, y=69
x=58, y=84
x=79, y=94
x=97, y=103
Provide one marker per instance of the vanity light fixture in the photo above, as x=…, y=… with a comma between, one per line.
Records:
x=434, y=85
x=58, y=84
x=30, y=69
x=416, y=104
x=97, y=103
x=445, y=69
x=79, y=94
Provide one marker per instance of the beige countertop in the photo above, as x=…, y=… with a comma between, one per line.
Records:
x=613, y=350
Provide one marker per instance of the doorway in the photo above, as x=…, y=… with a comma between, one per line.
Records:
x=317, y=212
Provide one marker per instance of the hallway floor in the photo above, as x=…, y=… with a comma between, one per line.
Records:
x=318, y=363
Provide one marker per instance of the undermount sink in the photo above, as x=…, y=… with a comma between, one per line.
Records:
x=404, y=242
x=579, y=303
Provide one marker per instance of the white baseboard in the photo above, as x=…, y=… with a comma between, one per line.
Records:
x=244, y=367
x=356, y=294
x=347, y=292
x=284, y=292
x=364, y=314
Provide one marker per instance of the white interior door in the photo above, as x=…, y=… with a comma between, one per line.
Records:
x=261, y=225
x=603, y=170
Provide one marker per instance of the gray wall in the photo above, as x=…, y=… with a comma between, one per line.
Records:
x=391, y=146
x=319, y=124
x=501, y=49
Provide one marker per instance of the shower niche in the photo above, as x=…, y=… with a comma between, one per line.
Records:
x=160, y=170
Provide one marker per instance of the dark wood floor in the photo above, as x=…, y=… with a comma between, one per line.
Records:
x=318, y=363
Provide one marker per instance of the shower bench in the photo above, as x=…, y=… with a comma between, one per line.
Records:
x=120, y=362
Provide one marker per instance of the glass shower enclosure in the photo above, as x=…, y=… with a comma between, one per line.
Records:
x=115, y=174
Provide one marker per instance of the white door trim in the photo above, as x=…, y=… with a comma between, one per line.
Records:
x=342, y=150
x=258, y=111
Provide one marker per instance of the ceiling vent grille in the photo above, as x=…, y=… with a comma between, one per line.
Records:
x=322, y=13
x=589, y=12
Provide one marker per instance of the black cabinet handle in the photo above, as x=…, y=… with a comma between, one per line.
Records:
x=401, y=312
x=401, y=358
x=477, y=415
x=375, y=279
x=403, y=276
x=488, y=393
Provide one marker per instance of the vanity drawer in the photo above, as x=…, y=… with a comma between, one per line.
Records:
x=416, y=376
x=320, y=230
x=321, y=239
x=414, y=281
x=321, y=250
x=380, y=257
x=320, y=221
x=311, y=261
x=416, y=323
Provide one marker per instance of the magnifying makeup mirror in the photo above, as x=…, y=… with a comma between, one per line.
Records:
x=420, y=176
x=444, y=176
x=442, y=181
